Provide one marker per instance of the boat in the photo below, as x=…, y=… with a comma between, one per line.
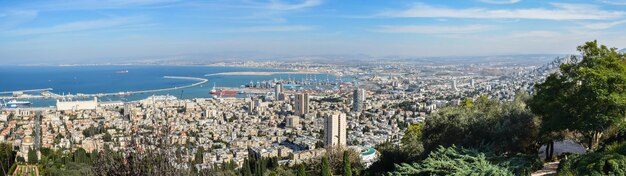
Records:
x=122, y=72
x=222, y=91
x=15, y=104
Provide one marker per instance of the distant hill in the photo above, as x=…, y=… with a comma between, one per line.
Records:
x=623, y=50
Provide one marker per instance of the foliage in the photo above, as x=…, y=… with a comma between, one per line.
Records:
x=411, y=140
x=325, y=167
x=107, y=137
x=519, y=164
x=148, y=162
x=389, y=155
x=467, y=103
x=301, y=170
x=587, y=97
x=62, y=162
x=7, y=158
x=609, y=161
x=452, y=161
x=91, y=131
x=407, y=106
x=507, y=127
x=32, y=156
x=347, y=168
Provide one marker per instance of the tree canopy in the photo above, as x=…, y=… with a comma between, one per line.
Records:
x=587, y=97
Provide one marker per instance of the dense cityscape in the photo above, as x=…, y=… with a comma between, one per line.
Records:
x=312, y=88
x=290, y=123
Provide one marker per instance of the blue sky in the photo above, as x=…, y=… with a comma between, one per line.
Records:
x=99, y=30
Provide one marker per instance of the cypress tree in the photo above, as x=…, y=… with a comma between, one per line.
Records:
x=325, y=167
x=301, y=171
x=246, y=171
x=347, y=170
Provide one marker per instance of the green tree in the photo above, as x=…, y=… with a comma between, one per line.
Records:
x=7, y=158
x=502, y=127
x=467, y=103
x=326, y=167
x=199, y=157
x=412, y=140
x=347, y=167
x=587, y=97
x=80, y=156
x=107, y=137
x=246, y=170
x=301, y=170
x=32, y=156
x=610, y=160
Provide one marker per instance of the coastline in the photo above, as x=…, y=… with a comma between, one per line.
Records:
x=258, y=73
x=56, y=96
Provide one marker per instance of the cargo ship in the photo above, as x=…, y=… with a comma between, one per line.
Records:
x=222, y=91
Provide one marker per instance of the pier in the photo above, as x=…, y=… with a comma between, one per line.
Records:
x=24, y=91
x=57, y=96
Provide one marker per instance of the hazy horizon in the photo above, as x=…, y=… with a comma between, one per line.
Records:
x=110, y=31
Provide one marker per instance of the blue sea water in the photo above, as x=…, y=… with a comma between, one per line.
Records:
x=105, y=79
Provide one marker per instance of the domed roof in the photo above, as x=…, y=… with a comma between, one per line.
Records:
x=27, y=140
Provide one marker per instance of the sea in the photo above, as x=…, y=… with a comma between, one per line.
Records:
x=114, y=78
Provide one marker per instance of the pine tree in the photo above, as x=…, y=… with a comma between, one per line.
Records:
x=347, y=169
x=325, y=167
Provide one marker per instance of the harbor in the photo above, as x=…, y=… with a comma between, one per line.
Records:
x=47, y=94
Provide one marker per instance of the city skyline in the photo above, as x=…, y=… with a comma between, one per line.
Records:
x=101, y=31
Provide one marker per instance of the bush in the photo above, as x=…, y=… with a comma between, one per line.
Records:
x=452, y=161
x=520, y=164
x=609, y=161
x=507, y=127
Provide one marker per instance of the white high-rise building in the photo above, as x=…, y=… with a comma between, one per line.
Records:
x=454, y=85
x=302, y=104
x=472, y=83
x=278, y=90
x=335, y=129
x=358, y=96
x=251, y=106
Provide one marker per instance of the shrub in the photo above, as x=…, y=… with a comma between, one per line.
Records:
x=452, y=161
x=609, y=161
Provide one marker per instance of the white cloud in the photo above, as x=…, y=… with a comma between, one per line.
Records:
x=500, y=1
x=614, y=2
x=599, y=26
x=288, y=28
x=560, y=11
x=278, y=5
x=79, y=26
x=100, y=4
x=426, y=29
x=11, y=18
x=535, y=34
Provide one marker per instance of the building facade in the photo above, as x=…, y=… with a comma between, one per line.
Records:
x=358, y=96
x=278, y=90
x=302, y=104
x=335, y=129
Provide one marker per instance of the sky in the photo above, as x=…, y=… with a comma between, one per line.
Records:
x=33, y=32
